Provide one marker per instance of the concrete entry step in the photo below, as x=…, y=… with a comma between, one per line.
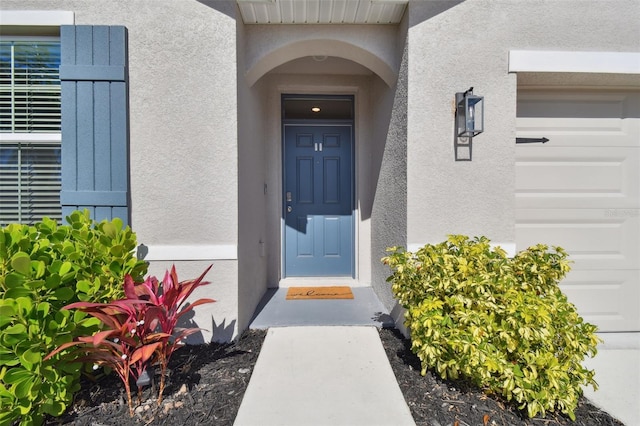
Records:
x=308, y=376
x=365, y=309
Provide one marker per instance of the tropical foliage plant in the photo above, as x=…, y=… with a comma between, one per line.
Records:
x=44, y=267
x=502, y=323
x=139, y=330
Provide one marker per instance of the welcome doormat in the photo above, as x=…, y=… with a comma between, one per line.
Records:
x=309, y=293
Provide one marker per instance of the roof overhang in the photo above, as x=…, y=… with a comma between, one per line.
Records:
x=322, y=11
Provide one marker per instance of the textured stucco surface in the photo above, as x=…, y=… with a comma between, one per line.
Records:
x=389, y=213
x=205, y=122
x=183, y=124
x=252, y=196
x=268, y=46
x=477, y=197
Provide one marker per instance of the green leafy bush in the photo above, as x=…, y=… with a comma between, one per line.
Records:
x=44, y=267
x=502, y=323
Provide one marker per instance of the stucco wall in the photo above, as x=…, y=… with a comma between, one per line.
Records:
x=268, y=46
x=264, y=47
x=467, y=44
x=389, y=210
x=205, y=124
x=183, y=133
x=252, y=192
x=380, y=129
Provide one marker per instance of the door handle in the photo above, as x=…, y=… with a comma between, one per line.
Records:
x=289, y=209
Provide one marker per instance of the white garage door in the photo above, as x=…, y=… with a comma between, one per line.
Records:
x=581, y=191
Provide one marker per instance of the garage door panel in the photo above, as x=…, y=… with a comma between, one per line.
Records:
x=595, y=239
x=574, y=104
x=581, y=191
x=563, y=178
x=607, y=298
x=604, y=132
x=571, y=105
x=586, y=118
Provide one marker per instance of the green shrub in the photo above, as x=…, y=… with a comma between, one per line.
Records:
x=44, y=267
x=502, y=323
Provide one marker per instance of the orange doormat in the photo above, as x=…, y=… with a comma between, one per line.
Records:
x=307, y=293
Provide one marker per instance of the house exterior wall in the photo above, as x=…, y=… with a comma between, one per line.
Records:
x=183, y=138
x=455, y=45
x=389, y=201
x=206, y=172
x=268, y=46
x=252, y=192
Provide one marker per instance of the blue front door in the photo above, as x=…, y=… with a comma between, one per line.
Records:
x=318, y=200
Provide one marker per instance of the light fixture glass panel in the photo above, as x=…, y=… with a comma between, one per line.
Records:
x=470, y=116
x=474, y=115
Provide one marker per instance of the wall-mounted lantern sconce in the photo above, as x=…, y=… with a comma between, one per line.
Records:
x=469, y=114
x=469, y=122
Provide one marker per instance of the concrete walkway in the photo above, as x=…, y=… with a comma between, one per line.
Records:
x=323, y=376
x=322, y=363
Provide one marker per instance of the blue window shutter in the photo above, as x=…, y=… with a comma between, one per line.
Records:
x=95, y=121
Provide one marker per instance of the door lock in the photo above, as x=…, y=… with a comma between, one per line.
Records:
x=288, y=196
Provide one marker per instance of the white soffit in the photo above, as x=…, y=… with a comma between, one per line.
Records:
x=577, y=62
x=322, y=11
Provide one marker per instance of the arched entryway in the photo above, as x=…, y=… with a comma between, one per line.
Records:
x=359, y=63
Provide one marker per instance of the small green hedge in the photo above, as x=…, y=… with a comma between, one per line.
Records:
x=502, y=323
x=44, y=267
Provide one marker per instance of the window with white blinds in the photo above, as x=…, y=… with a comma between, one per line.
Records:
x=29, y=130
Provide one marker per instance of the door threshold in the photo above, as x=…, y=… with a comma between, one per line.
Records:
x=321, y=282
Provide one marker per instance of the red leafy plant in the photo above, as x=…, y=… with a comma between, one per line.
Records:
x=140, y=330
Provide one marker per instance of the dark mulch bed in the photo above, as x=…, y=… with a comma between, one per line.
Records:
x=207, y=383
x=437, y=402
x=205, y=387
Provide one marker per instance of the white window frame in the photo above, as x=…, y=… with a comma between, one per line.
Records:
x=33, y=22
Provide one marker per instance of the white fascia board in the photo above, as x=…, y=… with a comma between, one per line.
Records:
x=510, y=248
x=578, y=62
x=191, y=252
x=37, y=18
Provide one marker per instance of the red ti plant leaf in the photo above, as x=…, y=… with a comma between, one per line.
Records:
x=100, y=336
x=144, y=353
x=139, y=330
x=175, y=294
x=168, y=311
x=147, y=290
